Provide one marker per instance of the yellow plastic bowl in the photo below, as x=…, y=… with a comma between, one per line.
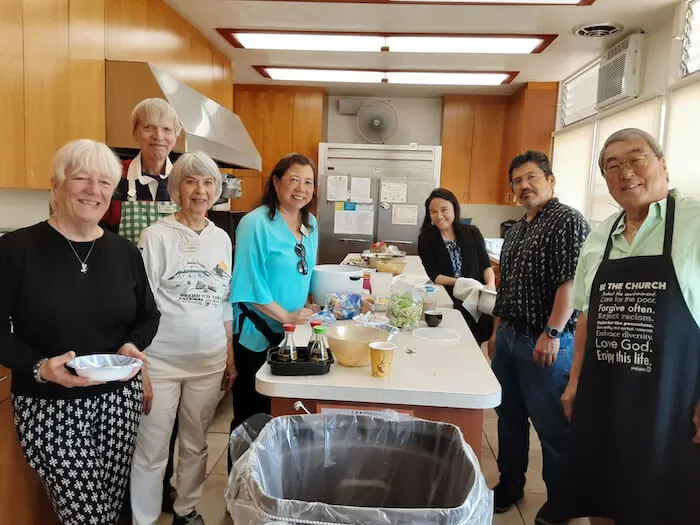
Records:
x=350, y=343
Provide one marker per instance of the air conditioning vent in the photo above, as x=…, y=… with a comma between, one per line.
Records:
x=598, y=30
x=619, y=76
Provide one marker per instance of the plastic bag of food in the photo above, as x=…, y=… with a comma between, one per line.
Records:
x=405, y=310
x=343, y=305
x=326, y=317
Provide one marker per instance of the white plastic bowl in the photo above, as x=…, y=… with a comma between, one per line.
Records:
x=487, y=300
x=105, y=367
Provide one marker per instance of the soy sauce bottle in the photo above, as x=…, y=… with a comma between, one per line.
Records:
x=288, y=349
x=319, y=348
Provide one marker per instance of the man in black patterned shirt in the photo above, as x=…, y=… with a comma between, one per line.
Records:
x=532, y=344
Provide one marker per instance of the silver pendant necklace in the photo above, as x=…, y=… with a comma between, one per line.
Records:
x=83, y=262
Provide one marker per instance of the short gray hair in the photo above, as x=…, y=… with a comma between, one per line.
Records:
x=87, y=156
x=625, y=135
x=155, y=110
x=193, y=164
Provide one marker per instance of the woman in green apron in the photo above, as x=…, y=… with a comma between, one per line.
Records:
x=141, y=198
x=634, y=389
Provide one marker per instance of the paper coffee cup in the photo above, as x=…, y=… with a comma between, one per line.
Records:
x=382, y=356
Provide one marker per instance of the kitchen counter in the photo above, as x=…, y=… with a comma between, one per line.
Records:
x=452, y=383
x=414, y=269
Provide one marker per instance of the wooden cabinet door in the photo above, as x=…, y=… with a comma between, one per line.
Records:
x=11, y=95
x=487, y=182
x=22, y=497
x=250, y=108
x=457, y=141
x=278, y=126
x=307, y=123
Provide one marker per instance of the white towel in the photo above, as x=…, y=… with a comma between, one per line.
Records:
x=467, y=291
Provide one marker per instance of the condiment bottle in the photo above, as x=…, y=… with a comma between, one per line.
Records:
x=314, y=324
x=366, y=282
x=429, y=299
x=288, y=349
x=319, y=349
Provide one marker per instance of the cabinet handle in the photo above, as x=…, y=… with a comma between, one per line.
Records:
x=4, y=378
x=399, y=242
x=353, y=240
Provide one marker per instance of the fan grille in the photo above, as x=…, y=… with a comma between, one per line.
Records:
x=377, y=121
x=598, y=30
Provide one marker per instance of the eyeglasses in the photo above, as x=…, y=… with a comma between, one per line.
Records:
x=635, y=164
x=302, y=265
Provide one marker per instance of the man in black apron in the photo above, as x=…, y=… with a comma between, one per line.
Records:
x=635, y=382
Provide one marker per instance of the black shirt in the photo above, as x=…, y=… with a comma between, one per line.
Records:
x=436, y=257
x=55, y=308
x=537, y=258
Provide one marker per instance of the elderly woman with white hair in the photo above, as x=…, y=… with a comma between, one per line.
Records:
x=70, y=288
x=634, y=388
x=190, y=361
x=141, y=197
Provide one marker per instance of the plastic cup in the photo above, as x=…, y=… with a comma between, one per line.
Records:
x=382, y=356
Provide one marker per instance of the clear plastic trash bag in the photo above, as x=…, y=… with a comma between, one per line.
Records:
x=357, y=470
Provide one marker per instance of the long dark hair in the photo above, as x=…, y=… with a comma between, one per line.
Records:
x=270, y=198
x=442, y=193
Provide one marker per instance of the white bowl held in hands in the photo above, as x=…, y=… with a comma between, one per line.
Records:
x=487, y=300
x=105, y=367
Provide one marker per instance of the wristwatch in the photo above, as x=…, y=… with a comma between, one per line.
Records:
x=554, y=333
x=36, y=371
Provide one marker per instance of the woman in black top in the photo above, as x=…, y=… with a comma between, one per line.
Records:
x=70, y=288
x=450, y=249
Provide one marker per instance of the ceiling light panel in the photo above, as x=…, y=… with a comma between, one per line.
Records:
x=456, y=44
x=325, y=75
x=309, y=42
x=446, y=79
x=467, y=44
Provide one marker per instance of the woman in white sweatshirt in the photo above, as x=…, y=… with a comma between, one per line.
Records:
x=190, y=361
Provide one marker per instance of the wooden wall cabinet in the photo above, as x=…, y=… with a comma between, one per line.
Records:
x=22, y=497
x=279, y=120
x=481, y=135
x=52, y=72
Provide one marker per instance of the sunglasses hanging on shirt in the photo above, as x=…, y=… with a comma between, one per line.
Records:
x=302, y=265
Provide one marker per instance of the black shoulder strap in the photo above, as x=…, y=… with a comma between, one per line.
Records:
x=272, y=337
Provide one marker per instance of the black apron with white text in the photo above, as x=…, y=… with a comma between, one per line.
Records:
x=632, y=457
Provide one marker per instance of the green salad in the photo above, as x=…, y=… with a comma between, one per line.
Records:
x=405, y=311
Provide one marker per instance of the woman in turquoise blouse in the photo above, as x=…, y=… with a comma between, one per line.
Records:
x=276, y=247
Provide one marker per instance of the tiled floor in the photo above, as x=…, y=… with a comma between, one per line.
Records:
x=213, y=507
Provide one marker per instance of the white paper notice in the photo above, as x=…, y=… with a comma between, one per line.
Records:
x=364, y=219
x=404, y=214
x=360, y=189
x=337, y=188
x=393, y=192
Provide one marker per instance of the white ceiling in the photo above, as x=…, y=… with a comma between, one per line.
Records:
x=565, y=55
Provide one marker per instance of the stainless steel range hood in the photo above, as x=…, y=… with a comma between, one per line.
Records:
x=207, y=125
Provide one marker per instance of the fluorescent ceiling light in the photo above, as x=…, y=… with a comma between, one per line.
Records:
x=309, y=42
x=447, y=79
x=401, y=44
x=468, y=44
x=325, y=75
x=434, y=78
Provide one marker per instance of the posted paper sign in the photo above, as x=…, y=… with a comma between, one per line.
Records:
x=394, y=192
x=352, y=218
x=360, y=189
x=337, y=188
x=404, y=214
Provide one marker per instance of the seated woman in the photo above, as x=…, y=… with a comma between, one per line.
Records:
x=450, y=249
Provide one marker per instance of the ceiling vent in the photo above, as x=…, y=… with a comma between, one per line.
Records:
x=599, y=30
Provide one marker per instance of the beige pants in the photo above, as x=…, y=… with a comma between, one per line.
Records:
x=197, y=398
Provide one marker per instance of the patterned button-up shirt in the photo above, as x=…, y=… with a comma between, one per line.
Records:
x=537, y=258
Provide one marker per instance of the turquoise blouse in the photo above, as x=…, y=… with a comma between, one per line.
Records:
x=265, y=270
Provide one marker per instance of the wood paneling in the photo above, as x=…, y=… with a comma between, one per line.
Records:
x=12, y=153
x=280, y=120
x=277, y=123
x=487, y=183
x=22, y=497
x=252, y=188
x=307, y=123
x=457, y=139
x=539, y=116
x=86, y=96
x=46, y=85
